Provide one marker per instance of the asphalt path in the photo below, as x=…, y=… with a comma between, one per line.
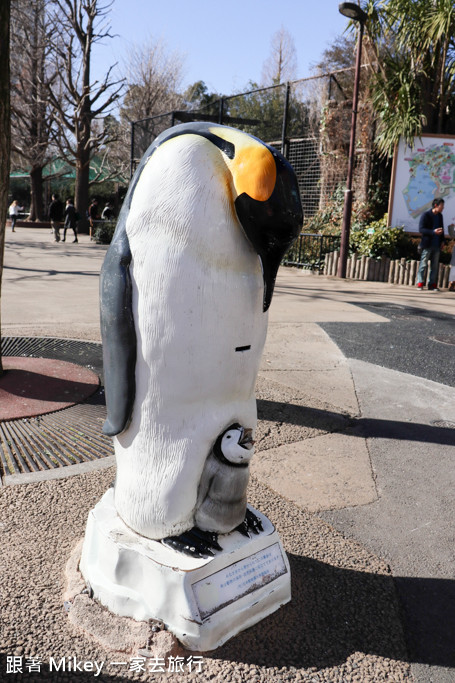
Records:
x=418, y=342
x=411, y=524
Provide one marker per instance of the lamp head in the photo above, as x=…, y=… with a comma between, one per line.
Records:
x=352, y=11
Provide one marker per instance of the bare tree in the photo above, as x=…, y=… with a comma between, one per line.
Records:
x=5, y=135
x=31, y=115
x=77, y=101
x=154, y=79
x=338, y=59
x=153, y=76
x=281, y=64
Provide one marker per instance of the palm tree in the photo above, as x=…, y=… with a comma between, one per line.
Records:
x=413, y=89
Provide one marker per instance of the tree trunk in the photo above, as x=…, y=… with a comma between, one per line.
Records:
x=443, y=92
x=36, y=194
x=81, y=192
x=83, y=134
x=5, y=132
x=83, y=152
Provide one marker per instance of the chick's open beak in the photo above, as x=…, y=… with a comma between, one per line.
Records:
x=247, y=439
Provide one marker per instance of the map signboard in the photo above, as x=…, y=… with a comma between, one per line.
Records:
x=419, y=175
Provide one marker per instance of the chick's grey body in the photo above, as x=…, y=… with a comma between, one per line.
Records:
x=222, y=501
x=222, y=498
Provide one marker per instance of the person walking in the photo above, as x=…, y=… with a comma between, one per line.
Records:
x=55, y=216
x=431, y=227
x=108, y=212
x=14, y=211
x=70, y=219
x=92, y=216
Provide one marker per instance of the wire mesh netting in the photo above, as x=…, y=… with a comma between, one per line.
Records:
x=307, y=120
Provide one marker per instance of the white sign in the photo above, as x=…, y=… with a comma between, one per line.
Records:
x=420, y=175
x=224, y=587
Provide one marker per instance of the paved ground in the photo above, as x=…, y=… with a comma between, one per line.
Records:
x=354, y=465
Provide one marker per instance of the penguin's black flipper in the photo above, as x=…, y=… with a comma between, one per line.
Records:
x=195, y=542
x=118, y=332
x=250, y=523
x=117, y=323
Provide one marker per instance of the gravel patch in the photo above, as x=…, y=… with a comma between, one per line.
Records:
x=343, y=623
x=287, y=415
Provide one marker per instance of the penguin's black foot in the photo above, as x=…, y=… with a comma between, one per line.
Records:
x=250, y=523
x=195, y=542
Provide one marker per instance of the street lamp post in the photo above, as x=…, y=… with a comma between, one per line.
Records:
x=354, y=12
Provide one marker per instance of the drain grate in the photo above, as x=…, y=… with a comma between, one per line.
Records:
x=66, y=437
x=88, y=354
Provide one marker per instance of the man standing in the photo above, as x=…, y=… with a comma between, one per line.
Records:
x=55, y=216
x=431, y=227
x=70, y=219
x=92, y=216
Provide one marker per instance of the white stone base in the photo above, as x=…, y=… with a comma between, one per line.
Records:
x=204, y=602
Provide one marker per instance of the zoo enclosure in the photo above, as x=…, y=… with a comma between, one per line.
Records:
x=308, y=120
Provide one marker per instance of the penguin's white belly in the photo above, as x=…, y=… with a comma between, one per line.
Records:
x=200, y=335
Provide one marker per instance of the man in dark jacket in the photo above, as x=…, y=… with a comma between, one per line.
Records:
x=56, y=216
x=431, y=227
x=92, y=216
x=70, y=219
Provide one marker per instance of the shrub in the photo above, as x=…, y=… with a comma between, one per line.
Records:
x=104, y=232
x=327, y=221
x=446, y=251
x=376, y=240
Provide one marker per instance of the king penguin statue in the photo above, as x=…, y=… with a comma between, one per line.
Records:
x=185, y=289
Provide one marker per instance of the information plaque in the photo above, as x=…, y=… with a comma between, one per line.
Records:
x=233, y=582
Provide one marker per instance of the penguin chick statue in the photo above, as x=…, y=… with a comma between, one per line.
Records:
x=221, y=501
x=185, y=289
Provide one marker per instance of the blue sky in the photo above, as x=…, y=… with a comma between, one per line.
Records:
x=223, y=43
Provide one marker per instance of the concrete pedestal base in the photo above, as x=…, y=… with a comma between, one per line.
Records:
x=204, y=602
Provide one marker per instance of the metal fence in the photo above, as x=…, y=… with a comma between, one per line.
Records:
x=289, y=116
x=309, y=251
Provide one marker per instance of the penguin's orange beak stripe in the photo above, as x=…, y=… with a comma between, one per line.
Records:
x=254, y=172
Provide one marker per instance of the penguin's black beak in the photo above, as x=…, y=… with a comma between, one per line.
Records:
x=272, y=225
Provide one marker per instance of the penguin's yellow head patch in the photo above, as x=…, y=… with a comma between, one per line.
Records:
x=254, y=172
x=253, y=167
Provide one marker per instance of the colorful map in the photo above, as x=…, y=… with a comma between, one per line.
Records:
x=422, y=173
x=431, y=174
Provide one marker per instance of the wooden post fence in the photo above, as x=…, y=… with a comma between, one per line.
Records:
x=397, y=271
